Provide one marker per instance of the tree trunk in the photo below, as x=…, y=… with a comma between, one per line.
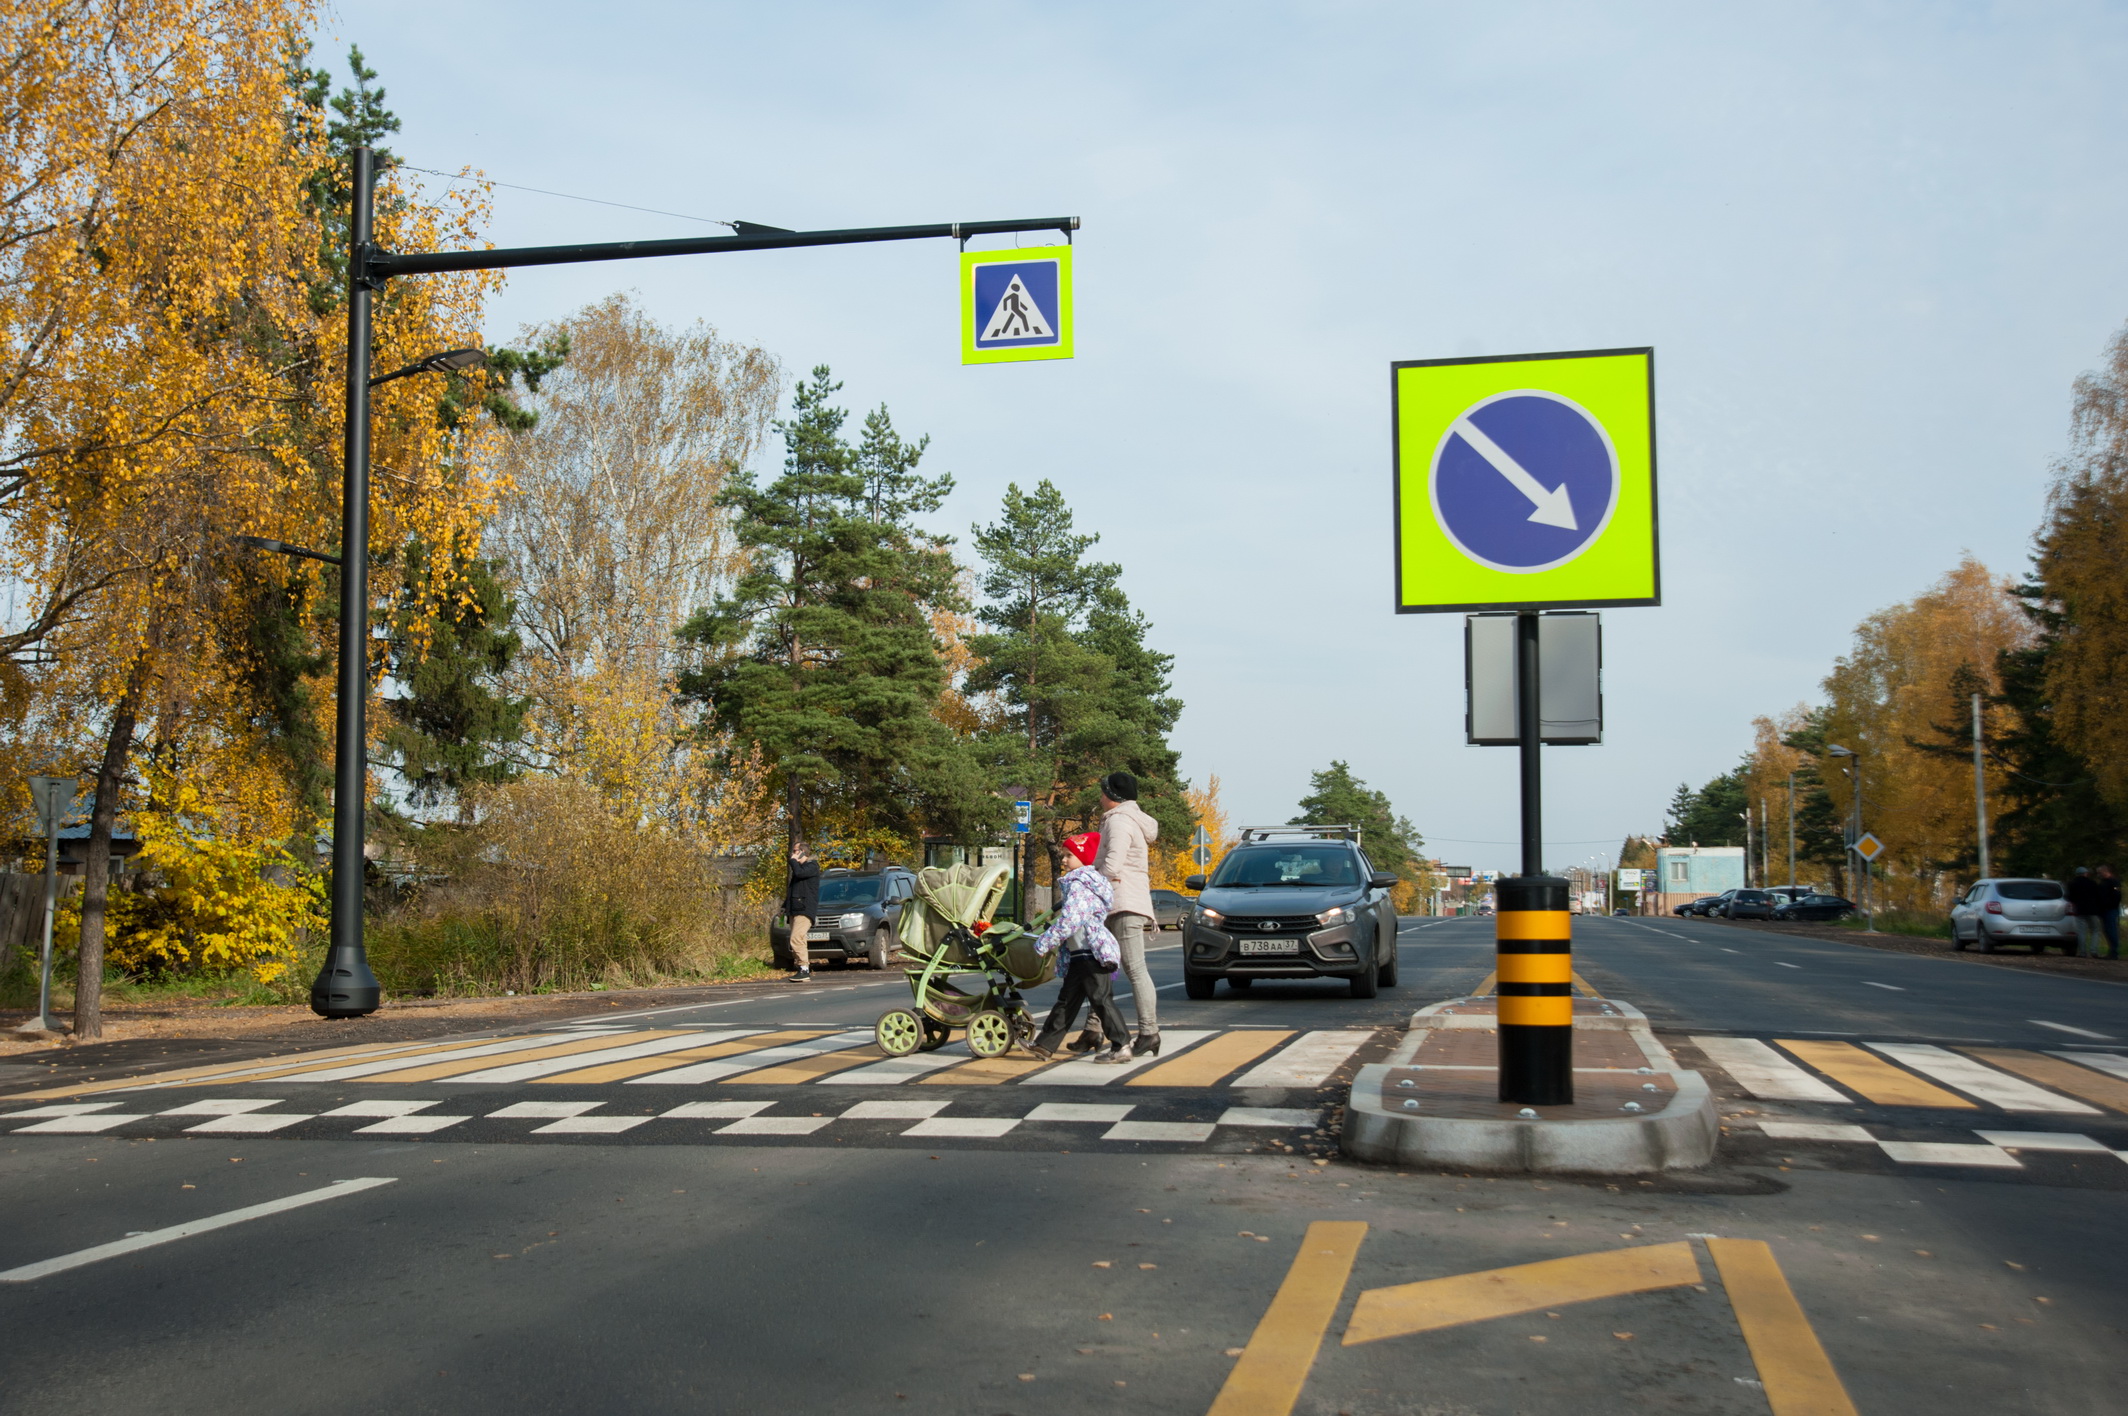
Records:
x=96, y=871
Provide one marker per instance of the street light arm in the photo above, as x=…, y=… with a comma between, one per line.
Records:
x=380, y=265
x=261, y=543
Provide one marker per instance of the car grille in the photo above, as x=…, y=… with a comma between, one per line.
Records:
x=1252, y=926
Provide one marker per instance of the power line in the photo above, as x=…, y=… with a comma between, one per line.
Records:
x=569, y=196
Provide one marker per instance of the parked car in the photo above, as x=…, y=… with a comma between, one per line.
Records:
x=1816, y=906
x=1292, y=902
x=859, y=910
x=1749, y=904
x=1621, y=910
x=1169, y=908
x=1788, y=894
x=1705, y=905
x=2034, y=913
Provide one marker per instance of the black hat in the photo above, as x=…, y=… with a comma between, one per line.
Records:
x=1120, y=786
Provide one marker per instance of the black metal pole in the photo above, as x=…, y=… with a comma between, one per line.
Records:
x=1533, y=929
x=345, y=987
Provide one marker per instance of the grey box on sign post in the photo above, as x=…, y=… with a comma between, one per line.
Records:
x=1569, y=679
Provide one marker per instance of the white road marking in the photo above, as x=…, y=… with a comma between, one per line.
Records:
x=2064, y=1027
x=393, y=1064
x=1949, y=1153
x=250, y=1124
x=1786, y=965
x=71, y=1108
x=379, y=1107
x=1727, y=950
x=1079, y=1111
x=1999, y=1088
x=1763, y=1072
x=79, y=1125
x=2043, y=1141
x=977, y=1127
x=716, y=1110
x=895, y=1110
x=896, y=1070
x=1283, y=1117
x=1159, y=1131
x=1814, y=1131
x=543, y=1110
x=222, y=1106
x=2111, y=1062
x=594, y=1125
x=148, y=1239
x=1307, y=1061
x=775, y=1126
x=1100, y=1074
x=1892, y=986
x=410, y=1125
x=620, y=1051
x=752, y=1061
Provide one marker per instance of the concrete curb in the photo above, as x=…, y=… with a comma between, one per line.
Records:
x=1681, y=1136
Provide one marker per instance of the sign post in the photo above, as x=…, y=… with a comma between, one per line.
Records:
x=1527, y=483
x=56, y=799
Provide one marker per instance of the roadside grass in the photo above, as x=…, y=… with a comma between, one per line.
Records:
x=1922, y=923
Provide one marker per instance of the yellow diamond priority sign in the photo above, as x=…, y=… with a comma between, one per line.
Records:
x=1869, y=847
x=1525, y=481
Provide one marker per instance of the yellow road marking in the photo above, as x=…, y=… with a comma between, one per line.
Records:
x=1271, y=1370
x=1498, y=1293
x=1585, y=986
x=985, y=1072
x=310, y=1062
x=2060, y=1075
x=459, y=1066
x=806, y=1069
x=1207, y=1062
x=641, y=1066
x=1873, y=1077
x=1798, y=1376
x=179, y=1075
x=1491, y=980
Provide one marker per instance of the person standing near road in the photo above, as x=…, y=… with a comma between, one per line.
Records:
x=2109, y=909
x=2084, y=895
x=1090, y=957
x=1127, y=836
x=801, y=903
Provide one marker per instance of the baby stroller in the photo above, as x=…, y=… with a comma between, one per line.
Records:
x=965, y=971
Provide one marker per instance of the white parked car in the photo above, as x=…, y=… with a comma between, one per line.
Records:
x=2034, y=913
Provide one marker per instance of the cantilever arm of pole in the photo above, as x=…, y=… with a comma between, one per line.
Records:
x=261, y=543
x=381, y=265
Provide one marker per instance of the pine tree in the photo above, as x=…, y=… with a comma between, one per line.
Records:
x=450, y=730
x=1337, y=798
x=823, y=655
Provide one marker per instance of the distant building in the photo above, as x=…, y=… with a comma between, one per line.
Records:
x=1687, y=873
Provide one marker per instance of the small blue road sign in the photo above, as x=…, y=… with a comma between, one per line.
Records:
x=1524, y=481
x=1023, y=817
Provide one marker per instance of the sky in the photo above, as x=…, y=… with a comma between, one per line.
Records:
x=1872, y=245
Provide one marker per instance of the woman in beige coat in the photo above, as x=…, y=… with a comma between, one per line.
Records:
x=1127, y=836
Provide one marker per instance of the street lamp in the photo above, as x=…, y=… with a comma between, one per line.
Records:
x=450, y=361
x=1854, y=833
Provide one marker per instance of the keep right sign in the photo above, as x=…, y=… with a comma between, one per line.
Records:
x=1525, y=481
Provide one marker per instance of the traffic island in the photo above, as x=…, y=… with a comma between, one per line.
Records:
x=1435, y=1101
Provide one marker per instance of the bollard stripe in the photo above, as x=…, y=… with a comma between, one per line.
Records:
x=1532, y=924
x=1535, y=946
x=1537, y=1013
x=1527, y=989
x=1547, y=969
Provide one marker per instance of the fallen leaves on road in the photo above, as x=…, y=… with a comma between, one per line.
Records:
x=1101, y=1263
x=1623, y=1336
x=1148, y=1266
x=1236, y=1351
x=2019, y=1267
x=1026, y=1376
x=1535, y=1338
x=1104, y=1317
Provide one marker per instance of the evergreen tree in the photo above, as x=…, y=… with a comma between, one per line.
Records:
x=1821, y=824
x=2052, y=816
x=1711, y=816
x=823, y=655
x=1083, y=694
x=1338, y=798
x=451, y=730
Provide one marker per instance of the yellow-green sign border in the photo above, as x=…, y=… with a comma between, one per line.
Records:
x=1067, y=322
x=1396, y=487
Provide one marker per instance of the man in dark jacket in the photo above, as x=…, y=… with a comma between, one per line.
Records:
x=2084, y=896
x=801, y=903
x=2109, y=909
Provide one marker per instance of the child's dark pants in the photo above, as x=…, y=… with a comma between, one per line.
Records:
x=1084, y=982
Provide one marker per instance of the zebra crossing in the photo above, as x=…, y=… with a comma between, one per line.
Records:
x=1927, y=1088
x=1235, y=1087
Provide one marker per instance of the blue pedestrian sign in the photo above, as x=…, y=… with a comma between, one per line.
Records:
x=1524, y=481
x=1016, y=305
x=1022, y=817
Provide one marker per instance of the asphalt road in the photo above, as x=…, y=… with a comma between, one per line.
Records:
x=503, y=1270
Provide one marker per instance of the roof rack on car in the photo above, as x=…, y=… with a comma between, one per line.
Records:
x=1331, y=833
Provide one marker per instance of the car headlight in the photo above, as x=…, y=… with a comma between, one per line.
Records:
x=1341, y=915
x=852, y=921
x=1212, y=917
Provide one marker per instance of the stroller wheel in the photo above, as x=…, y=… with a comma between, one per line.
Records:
x=936, y=1036
x=899, y=1032
x=989, y=1034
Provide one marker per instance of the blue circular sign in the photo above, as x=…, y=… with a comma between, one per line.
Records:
x=1524, y=481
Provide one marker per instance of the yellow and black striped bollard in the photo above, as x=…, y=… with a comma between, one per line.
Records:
x=1536, y=983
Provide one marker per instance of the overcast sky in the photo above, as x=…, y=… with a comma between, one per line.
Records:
x=1872, y=246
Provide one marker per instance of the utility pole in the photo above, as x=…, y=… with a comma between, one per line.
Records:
x=1533, y=930
x=1980, y=793
x=345, y=987
x=1791, y=829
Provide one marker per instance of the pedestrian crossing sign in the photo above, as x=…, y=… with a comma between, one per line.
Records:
x=1016, y=305
x=1525, y=481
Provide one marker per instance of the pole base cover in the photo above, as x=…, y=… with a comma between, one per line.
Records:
x=345, y=987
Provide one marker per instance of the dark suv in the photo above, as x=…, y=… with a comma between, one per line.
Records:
x=1292, y=902
x=859, y=910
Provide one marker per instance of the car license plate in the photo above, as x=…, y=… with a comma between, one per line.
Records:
x=2035, y=929
x=1270, y=946
x=820, y=936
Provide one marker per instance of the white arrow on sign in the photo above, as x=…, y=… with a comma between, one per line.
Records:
x=1553, y=507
